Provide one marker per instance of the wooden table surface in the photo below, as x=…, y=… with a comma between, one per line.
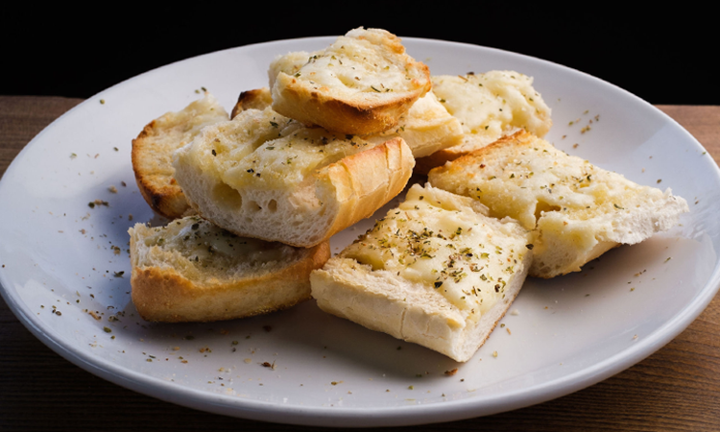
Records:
x=677, y=388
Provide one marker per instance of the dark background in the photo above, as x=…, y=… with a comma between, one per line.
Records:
x=664, y=56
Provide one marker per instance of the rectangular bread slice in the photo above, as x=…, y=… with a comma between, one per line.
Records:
x=435, y=271
x=577, y=211
x=191, y=270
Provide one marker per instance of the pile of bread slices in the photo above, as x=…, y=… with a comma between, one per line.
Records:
x=253, y=199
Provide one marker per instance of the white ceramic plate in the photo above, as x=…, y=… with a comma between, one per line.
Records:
x=58, y=254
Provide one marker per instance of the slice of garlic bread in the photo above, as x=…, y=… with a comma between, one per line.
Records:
x=576, y=210
x=266, y=176
x=489, y=106
x=435, y=271
x=153, y=148
x=361, y=84
x=191, y=270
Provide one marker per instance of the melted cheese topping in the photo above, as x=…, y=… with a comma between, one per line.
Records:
x=537, y=179
x=436, y=239
x=490, y=104
x=358, y=62
x=265, y=150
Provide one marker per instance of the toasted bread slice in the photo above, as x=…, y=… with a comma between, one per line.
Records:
x=576, y=210
x=489, y=105
x=191, y=270
x=426, y=128
x=266, y=176
x=435, y=271
x=153, y=148
x=361, y=84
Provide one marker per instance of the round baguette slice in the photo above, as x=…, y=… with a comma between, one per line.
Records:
x=489, y=105
x=153, y=148
x=191, y=270
x=266, y=176
x=577, y=211
x=361, y=84
x=435, y=271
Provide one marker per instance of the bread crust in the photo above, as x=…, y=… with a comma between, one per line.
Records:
x=365, y=181
x=424, y=164
x=427, y=128
x=297, y=100
x=162, y=293
x=164, y=197
x=362, y=112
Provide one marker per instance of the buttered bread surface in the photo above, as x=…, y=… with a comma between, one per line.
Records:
x=192, y=270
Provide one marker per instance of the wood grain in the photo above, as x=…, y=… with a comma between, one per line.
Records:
x=675, y=389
